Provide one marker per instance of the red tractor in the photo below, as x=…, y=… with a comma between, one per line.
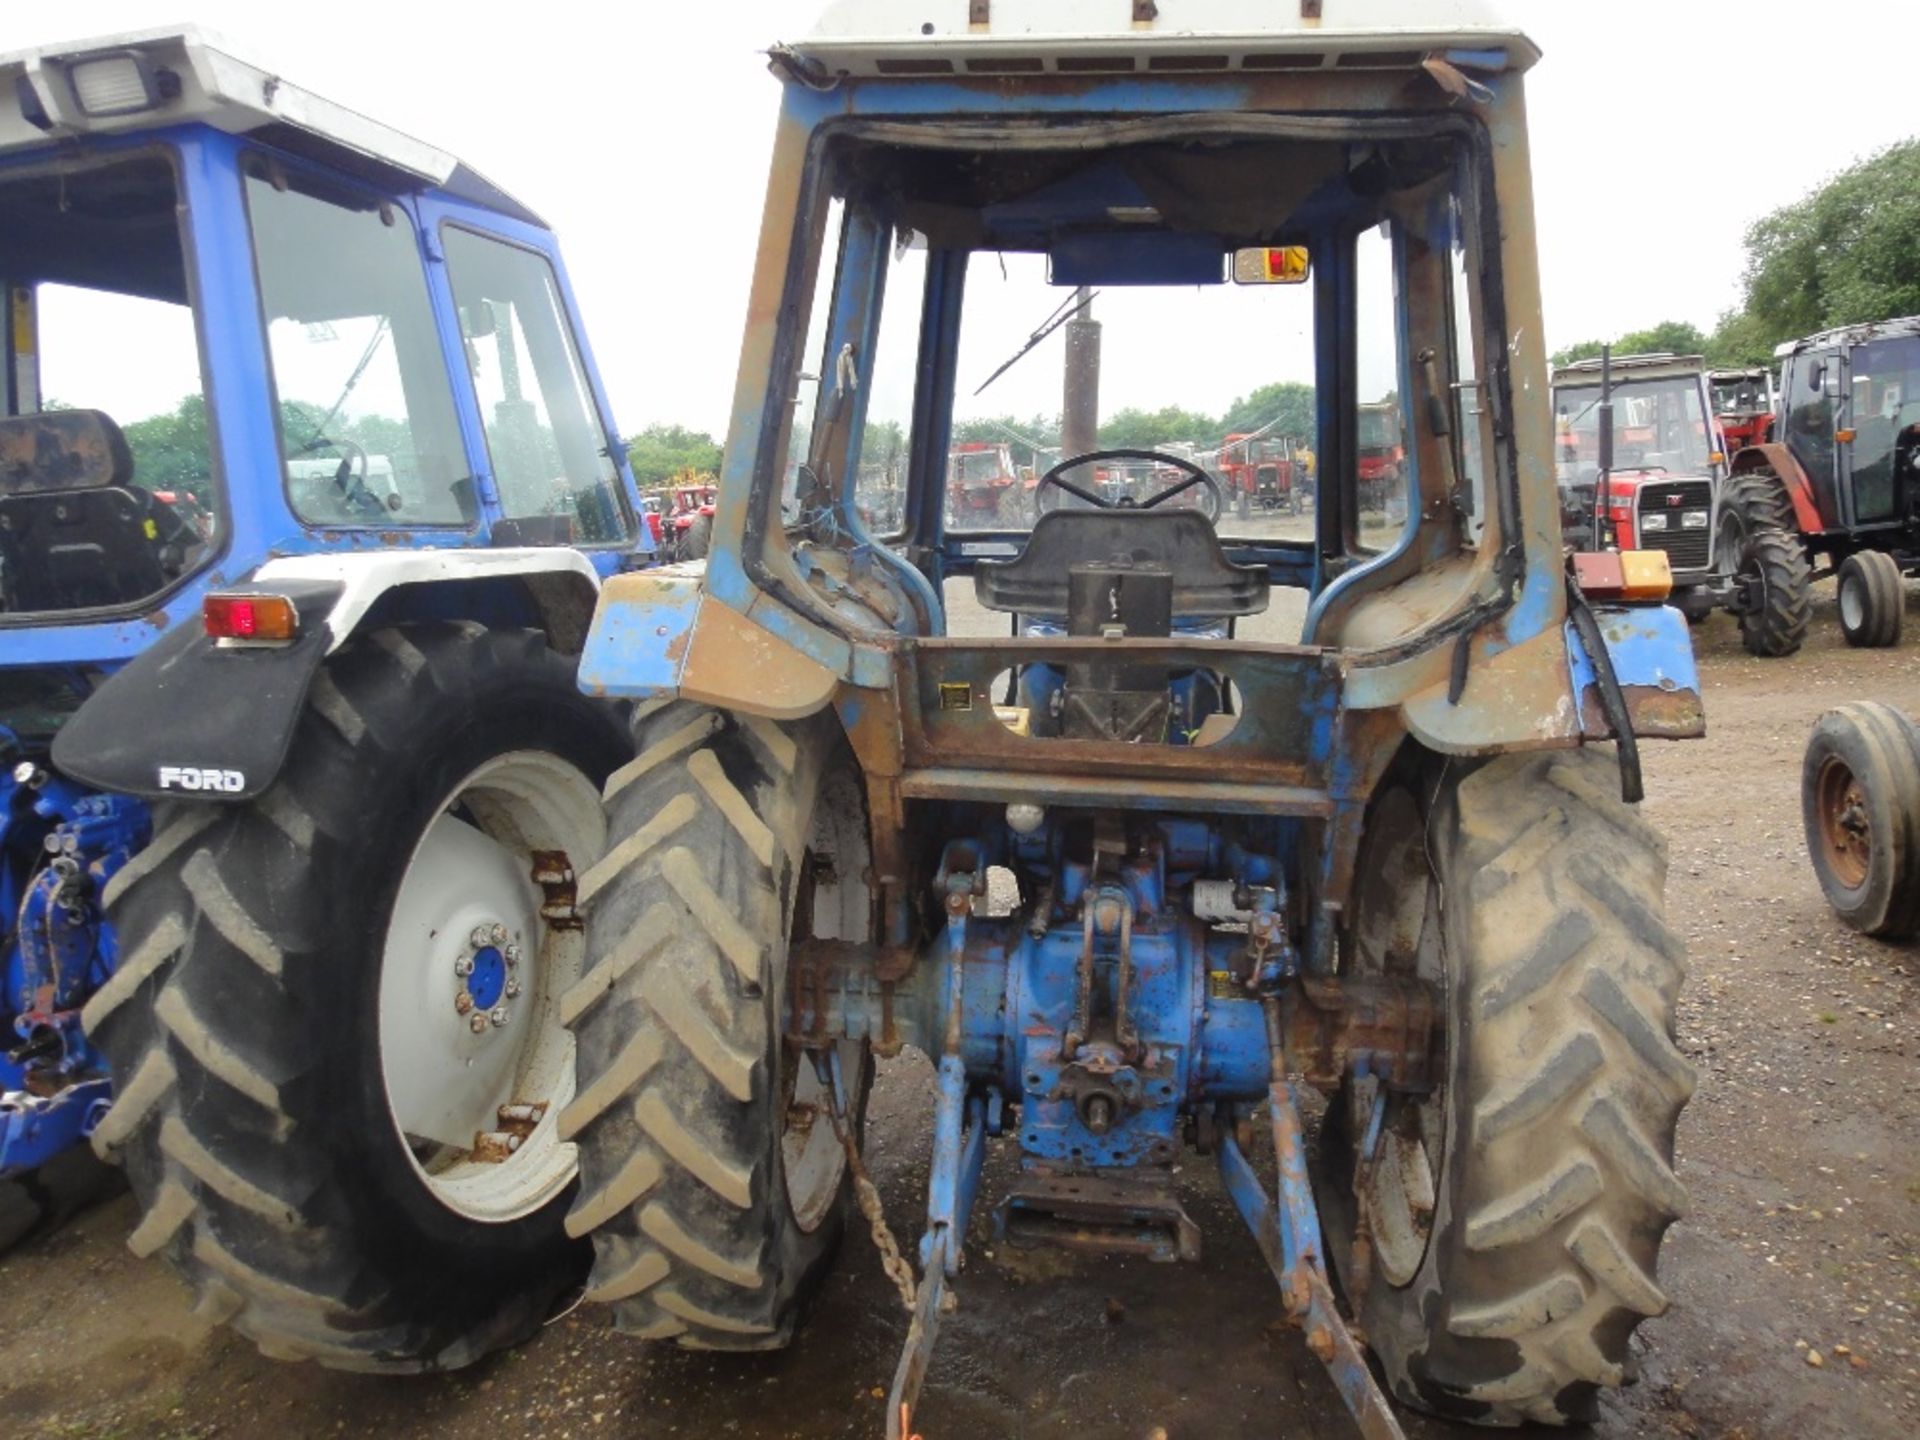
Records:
x=1379, y=452
x=1743, y=405
x=688, y=527
x=1664, y=481
x=1267, y=472
x=984, y=489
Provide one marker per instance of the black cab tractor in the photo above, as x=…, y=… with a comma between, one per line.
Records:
x=1835, y=492
x=1663, y=483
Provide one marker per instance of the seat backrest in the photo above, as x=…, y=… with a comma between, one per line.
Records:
x=79, y=549
x=1206, y=585
x=62, y=450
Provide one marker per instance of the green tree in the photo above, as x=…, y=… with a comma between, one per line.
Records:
x=1285, y=404
x=1148, y=429
x=1847, y=254
x=1669, y=337
x=173, y=450
x=660, y=452
x=992, y=430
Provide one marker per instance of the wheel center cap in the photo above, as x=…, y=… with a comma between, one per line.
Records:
x=488, y=984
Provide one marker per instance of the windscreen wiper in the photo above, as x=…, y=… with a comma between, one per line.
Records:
x=1068, y=308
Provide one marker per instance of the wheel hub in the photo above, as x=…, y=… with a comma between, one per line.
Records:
x=1844, y=829
x=488, y=982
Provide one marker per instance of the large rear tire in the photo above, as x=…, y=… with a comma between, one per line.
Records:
x=1873, y=600
x=1860, y=801
x=300, y=1093
x=1757, y=541
x=1516, y=1213
x=711, y=1178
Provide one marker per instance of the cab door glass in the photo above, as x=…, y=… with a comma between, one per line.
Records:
x=549, y=449
x=1469, y=413
x=1886, y=403
x=812, y=385
x=368, y=431
x=1379, y=462
x=880, y=483
x=1810, y=416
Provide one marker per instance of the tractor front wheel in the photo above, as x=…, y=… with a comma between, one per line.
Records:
x=1873, y=599
x=711, y=1174
x=1757, y=544
x=337, y=1060
x=1513, y=1215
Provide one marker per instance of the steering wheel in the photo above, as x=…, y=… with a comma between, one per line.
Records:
x=352, y=482
x=1210, y=496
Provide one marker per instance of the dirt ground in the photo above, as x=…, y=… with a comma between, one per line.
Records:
x=1795, y=1277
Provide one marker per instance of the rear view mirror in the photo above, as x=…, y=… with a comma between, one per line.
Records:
x=1272, y=265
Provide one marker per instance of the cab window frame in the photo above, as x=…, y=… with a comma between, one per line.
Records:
x=630, y=524
x=103, y=154
x=325, y=181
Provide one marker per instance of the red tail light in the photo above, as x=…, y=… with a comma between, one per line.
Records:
x=267, y=619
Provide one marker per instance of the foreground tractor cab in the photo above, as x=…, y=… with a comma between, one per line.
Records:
x=306, y=490
x=1241, y=832
x=1836, y=490
x=1663, y=485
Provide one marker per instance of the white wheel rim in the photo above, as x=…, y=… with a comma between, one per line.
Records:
x=1853, y=605
x=470, y=878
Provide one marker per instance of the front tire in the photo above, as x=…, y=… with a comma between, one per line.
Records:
x=300, y=1098
x=1873, y=599
x=711, y=1179
x=1516, y=1214
x=1860, y=802
x=1756, y=541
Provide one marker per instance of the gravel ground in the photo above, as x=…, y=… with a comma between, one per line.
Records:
x=1795, y=1277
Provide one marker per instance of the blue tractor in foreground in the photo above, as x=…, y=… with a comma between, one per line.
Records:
x=307, y=486
x=1158, y=829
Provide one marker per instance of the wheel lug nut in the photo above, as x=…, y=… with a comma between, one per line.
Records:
x=513, y=989
x=463, y=967
x=512, y=954
x=481, y=935
x=478, y=1024
x=498, y=934
x=498, y=1015
x=462, y=1003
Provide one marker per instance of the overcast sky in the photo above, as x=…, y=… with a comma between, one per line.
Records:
x=641, y=133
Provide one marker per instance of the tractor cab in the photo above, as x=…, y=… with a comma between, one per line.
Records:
x=1852, y=423
x=243, y=320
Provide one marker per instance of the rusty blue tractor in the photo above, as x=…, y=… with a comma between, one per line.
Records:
x=1157, y=828
x=306, y=489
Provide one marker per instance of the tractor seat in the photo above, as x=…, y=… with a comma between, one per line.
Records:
x=1182, y=543
x=74, y=531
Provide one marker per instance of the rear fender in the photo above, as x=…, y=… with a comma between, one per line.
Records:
x=191, y=718
x=659, y=635
x=1652, y=654
x=1779, y=459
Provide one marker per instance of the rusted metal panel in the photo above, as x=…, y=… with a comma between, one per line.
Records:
x=949, y=723
x=733, y=663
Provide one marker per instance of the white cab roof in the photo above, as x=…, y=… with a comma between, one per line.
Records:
x=207, y=80
x=885, y=37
